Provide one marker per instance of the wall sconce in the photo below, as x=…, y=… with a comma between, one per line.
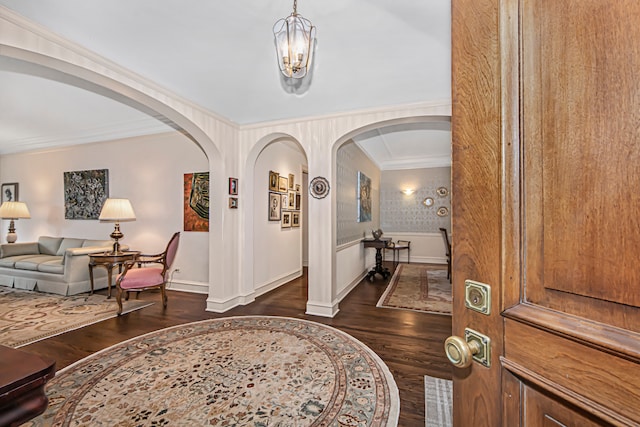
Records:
x=408, y=191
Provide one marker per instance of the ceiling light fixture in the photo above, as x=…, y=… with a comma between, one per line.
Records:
x=294, y=38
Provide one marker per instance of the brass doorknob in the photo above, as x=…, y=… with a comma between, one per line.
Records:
x=460, y=352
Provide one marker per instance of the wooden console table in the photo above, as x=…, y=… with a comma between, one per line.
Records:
x=22, y=379
x=379, y=245
x=108, y=261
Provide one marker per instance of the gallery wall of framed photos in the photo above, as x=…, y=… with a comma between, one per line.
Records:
x=285, y=199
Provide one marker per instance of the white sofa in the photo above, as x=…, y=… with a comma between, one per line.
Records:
x=58, y=265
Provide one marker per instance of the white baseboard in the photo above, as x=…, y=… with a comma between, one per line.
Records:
x=191, y=287
x=321, y=309
x=277, y=282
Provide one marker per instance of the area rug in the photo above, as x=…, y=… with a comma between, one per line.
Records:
x=237, y=371
x=438, y=402
x=418, y=287
x=27, y=316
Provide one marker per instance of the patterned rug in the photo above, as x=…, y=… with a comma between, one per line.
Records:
x=438, y=402
x=237, y=371
x=418, y=287
x=27, y=316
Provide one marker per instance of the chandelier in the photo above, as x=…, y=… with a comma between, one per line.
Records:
x=294, y=38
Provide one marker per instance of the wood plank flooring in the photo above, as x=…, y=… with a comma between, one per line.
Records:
x=410, y=343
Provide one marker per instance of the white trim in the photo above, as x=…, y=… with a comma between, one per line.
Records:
x=348, y=245
x=220, y=306
x=276, y=283
x=320, y=309
x=187, y=286
x=351, y=286
x=419, y=163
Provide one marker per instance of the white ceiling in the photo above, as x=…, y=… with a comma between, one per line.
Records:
x=220, y=54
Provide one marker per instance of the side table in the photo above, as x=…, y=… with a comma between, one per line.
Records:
x=379, y=245
x=109, y=260
x=22, y=379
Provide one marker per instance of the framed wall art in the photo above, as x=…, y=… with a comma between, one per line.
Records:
x=10, y=192
x=292, y=200
x=291, y=179
x=364, y=198
x=295, y=219
x=233, y=203
x=85, y=193
x=196, y=201
x=286, y=219
x=275, y=208
x=274, y=180
x=233, y=186
x=283, y=184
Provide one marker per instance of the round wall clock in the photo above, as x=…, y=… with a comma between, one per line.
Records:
x=319, y=187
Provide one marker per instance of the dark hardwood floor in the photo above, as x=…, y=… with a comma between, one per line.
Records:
x=410, y=343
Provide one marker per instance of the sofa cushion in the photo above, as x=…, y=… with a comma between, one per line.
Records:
x=52, y=266
x=13, y=249
x=102, y=243
x=32, y=263
x=49, y=245
x=9, y=262
x=67, y=243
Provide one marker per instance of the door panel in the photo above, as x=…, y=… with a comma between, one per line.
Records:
x=546, y=203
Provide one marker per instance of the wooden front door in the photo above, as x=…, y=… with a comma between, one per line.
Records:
x=546, y=209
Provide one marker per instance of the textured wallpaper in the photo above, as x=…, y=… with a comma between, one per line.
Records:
x=407, y=213
x=349, y=160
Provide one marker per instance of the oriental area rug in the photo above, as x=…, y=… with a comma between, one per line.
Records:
x=438, y=402
x=420, y=288
x=236, y=371
x=28, y=316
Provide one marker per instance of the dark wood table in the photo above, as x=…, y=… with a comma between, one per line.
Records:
x=22, y=379
x=379, y=245
x=109, y=260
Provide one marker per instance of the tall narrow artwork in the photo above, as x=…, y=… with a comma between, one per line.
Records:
x=85, y=193
x=196, y=201
x=364, y=198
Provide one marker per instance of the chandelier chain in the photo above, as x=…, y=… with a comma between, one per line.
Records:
x=295, y=7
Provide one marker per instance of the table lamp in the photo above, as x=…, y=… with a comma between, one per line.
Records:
x=117, y=210
x=13, y=211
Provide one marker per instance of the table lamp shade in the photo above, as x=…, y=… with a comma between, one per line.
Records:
x=14, y=210
x=117, y=210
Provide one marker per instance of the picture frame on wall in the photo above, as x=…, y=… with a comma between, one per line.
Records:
x=275, y=207
x=297, y=188
x=291, y=179
x=10, y=192
x=283, y=184
x=292, y=200
x=274, y=180
x=233, y=186
x=233, y=203
x=286, y=219
x=295, y=219
x=298, y=202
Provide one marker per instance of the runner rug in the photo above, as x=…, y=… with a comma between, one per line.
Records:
x=254, y=370
x=418, y=287
x=438, y=402
x=28, y=316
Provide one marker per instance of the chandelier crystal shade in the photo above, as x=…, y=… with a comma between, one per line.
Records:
x=294, y=38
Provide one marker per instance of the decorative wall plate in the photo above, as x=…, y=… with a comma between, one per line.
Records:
x=442, y=191
x=443, y=211
x=319, y=187
x=428, y=202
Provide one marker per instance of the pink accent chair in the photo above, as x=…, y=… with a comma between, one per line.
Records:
x=138, y=279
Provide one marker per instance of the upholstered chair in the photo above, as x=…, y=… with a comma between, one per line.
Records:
x=147, y=272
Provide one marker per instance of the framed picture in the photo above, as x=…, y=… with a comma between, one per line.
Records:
x=292, y=200
x=297, y=188
x=195, y=210
x=364, y=198
x=286, y=219
x=298, y=202
x=233, y=186
x=285, y=200
x=84, y=193
x=283, y=184
x=233, y=203
x=291, y=178
x=10, y=192
x=274, y=179
x=275, y=207
x=295, y=219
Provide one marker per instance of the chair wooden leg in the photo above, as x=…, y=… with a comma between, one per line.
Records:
x=119, y=299
x=164, y=296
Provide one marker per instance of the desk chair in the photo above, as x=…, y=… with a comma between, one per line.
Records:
x=447, y=245
x=398, y=246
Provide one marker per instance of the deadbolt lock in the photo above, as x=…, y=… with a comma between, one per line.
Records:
x=477, y=296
